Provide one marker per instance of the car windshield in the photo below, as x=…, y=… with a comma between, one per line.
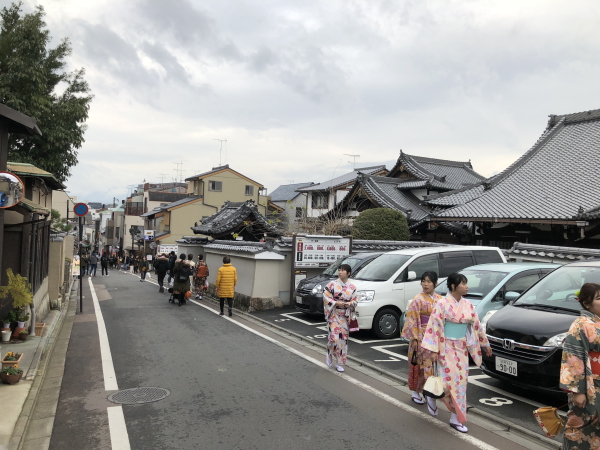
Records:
x=382, y=267
x=333, y=269
x=480, y=282
x=557, y=289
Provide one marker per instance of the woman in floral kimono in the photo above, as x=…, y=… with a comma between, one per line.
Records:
x=453, y=332
x=417, y=316
x=580, y=373
x=339, y=301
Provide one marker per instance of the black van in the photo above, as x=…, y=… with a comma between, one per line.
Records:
x=309, y=293
x=527, y=335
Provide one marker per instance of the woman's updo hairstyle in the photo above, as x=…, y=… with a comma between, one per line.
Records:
x=455, y=279
x=587, y=294
x=431, y=275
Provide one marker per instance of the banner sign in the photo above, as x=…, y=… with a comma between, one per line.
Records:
x=320, y=251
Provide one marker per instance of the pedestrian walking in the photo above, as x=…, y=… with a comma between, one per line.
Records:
x=225, y=284
x=192, y=266
x=454, y=331
x=339, y=301
x=181, y=276
x=143, y=266
x=161, y=266
x=84, y=264
x=104, y=263
x=200, y=277
x=580, y=372
x=93, y=264
x=136, y=264
x=172, y=259
x=417, y=316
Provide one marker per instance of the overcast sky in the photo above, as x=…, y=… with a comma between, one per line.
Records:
x=294, y=85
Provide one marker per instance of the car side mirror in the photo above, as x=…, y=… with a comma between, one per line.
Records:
x=412, y=275
x=510, y=296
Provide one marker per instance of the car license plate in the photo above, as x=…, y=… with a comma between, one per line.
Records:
x=506, y=366
x=299, y=300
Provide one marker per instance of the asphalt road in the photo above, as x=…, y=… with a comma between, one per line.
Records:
x=488, y=394
x=232, y=385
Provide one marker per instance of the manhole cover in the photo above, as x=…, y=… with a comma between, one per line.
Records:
x=139, y=395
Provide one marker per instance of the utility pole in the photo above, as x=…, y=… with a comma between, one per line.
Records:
x=221, y=148
x=353, y=162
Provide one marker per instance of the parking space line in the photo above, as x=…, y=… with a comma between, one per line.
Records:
x=382, y=348
x=289, y=316
x=474, y=379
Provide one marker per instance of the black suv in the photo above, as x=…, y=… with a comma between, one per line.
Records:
x=309, y=293
x=527, y=335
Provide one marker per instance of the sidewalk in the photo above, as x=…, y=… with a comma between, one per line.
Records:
x=15, y=397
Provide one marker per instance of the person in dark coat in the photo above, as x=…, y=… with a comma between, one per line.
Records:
x=181, y=275
x=104, y=263
x=161, y=266
x=172, y=259
x=143, y=265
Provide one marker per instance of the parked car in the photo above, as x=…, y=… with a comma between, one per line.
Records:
x=309, y=293
x=527, y=335
x=389, y=282
x=491, y=286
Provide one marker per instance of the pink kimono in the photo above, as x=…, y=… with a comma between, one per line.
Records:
x=453, y=360
x=337, y=318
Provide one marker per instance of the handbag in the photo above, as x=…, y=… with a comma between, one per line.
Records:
x=434, y=386
x=353, y=323
x=414, y=360
x=187, y=294
x=552, y=424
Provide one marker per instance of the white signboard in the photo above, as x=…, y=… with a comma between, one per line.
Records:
x=320, y=251
x=167, y=249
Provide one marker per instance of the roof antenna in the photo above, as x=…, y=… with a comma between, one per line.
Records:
x=221, y=149
x=353, y=159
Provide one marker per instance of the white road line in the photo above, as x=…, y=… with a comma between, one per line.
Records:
x=108, y=369
x=426, y=417
x=383, y=349
x=474, y=380
x=119, y=438
x=306, y=322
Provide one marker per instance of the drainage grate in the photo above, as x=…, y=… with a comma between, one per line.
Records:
x=139, y=395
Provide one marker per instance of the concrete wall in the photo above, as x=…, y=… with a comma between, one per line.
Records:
x=41, y=300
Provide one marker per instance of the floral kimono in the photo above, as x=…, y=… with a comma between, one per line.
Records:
x=417, y=317
x=580, y=373
x=338, y=317
x=453, y=358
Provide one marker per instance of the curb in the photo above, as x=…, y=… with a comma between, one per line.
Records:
x=37, y=372
x=512, y=427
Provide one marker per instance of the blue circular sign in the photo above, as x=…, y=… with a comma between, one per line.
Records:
x=80, y=209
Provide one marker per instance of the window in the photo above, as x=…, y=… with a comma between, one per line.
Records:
x=319, y=200
x=454, y=262
x=487, y=256
x=249, y=190
x=215, y=185
x=382, y=267
x=428, y=263
x=518, y=284
x=299, y=211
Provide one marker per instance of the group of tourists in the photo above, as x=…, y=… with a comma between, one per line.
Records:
x=442, y=332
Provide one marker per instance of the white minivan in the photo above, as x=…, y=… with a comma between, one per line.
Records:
x=392, y=280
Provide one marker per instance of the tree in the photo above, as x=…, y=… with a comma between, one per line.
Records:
x=58, y=223
x=30, y=78
x=381, y=224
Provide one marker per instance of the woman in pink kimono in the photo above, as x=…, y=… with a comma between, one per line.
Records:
x=417, y=316
x=453, y=332
x=339, y=301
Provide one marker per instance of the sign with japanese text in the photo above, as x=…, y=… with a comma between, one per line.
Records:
x=320, y=251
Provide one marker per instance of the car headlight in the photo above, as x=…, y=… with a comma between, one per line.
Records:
x=318, y=289
x=487, y=317
x=556, y=341
x=365, y=296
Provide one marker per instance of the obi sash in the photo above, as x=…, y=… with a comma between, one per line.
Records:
x=455, y=330
x=424, y=320
x=595, y=362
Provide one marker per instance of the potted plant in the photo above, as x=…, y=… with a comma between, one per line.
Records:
x=23, y=335
x=11, y=375
x=22, y=317
x=11, y=359
x=18, y=292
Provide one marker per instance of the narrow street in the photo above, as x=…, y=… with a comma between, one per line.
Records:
x=231, y=384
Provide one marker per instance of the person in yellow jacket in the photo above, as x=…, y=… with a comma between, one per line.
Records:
x=226, y=281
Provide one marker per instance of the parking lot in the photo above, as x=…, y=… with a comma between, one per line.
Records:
x=484, y=393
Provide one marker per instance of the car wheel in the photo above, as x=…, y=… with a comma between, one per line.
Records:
x=386, y=324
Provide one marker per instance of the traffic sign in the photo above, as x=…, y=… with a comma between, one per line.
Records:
x=80, y=209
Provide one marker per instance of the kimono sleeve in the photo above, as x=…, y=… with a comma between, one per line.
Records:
x=434, y=333
x=478, y=329
x=413, y=319
x=353, y=299
x=573, y=365
x=328, y=299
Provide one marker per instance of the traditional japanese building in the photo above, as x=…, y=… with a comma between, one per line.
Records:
x=550, y=195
